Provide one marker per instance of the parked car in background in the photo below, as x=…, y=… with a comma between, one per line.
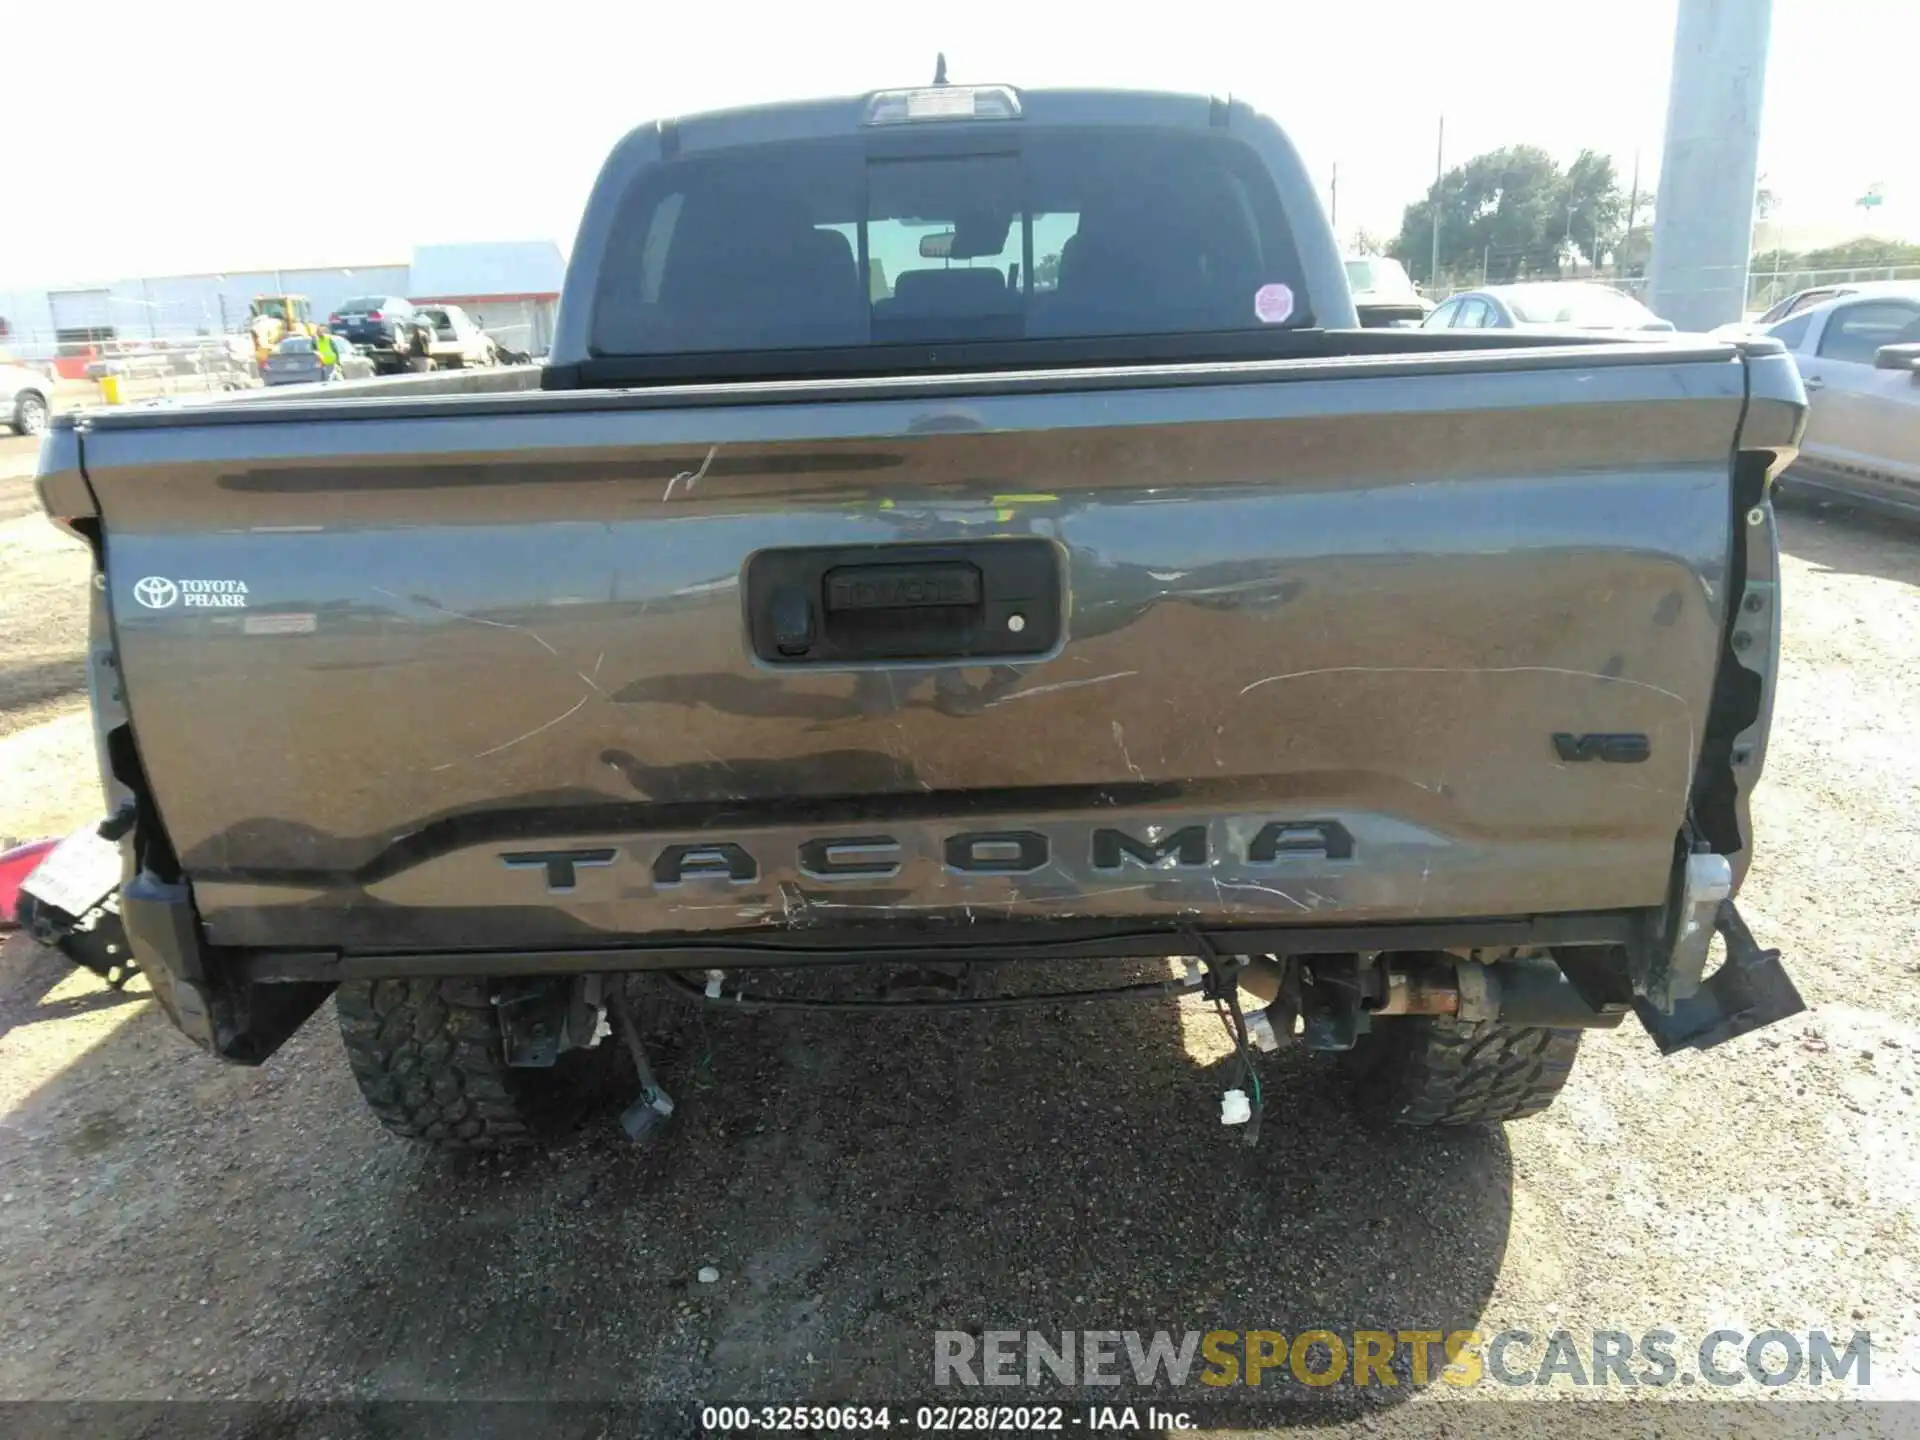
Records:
x=26, y=399
x=388, y=328
x=1383, y=292
x=1857, y=357
x=296, y=361
x=457, y=342
x=1545, y=305
x=1801, y=300
x=1820, y=294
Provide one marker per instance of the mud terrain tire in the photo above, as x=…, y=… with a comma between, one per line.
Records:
x=1440, y=1071
x=430, y=1062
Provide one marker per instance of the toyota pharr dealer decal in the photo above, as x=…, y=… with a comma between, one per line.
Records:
x=157, y=592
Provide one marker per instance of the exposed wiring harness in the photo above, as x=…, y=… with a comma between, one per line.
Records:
x=1148, y=990
x=1236, y=1024
x=1222, y=986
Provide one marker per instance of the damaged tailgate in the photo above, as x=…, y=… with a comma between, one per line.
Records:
x=1297, y=643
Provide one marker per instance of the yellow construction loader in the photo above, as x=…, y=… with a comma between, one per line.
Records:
x=271, y=318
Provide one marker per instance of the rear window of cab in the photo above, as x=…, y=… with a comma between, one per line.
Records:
x=1045, y=234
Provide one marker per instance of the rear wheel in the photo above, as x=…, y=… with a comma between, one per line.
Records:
x=1441, y=1071
x=432, y=1066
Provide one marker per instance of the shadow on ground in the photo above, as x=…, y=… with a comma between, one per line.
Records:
x=858, y=1183
x=29, y=977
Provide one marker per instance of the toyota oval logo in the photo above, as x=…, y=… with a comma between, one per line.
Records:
x=156, y=592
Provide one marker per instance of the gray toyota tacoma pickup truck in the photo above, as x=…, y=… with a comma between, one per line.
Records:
x=958, y=532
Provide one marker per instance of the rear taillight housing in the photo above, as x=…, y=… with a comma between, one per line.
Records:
x=375, y=315
x=15, y=866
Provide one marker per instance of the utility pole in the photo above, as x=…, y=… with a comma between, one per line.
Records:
x=1439, y=169
x=1633, y=211
x=1703, y=220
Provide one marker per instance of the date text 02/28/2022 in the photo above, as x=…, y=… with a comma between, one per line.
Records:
x=940, y=1419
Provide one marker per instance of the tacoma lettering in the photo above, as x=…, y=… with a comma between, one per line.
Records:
x=970, y=852
x=1112, y=848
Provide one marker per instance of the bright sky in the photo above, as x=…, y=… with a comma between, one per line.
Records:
x=205, y=136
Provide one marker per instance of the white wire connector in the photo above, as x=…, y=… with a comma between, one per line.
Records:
x=714, y=977
x=1235, y=1108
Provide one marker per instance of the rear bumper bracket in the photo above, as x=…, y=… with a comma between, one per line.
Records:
x=1750, y=990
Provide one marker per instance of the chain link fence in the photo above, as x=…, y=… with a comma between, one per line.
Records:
x=1767, y=284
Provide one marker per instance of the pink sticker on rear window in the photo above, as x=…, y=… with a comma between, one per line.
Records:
x=1273, y=304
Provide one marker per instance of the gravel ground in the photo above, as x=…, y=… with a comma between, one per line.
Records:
x=174, y=1229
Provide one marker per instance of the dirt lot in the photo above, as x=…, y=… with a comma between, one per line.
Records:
x=173, y=1229
x=43, y=629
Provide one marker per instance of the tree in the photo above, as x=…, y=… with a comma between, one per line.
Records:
x=1512, y=213
x=1633, y=251
x=1595, y=204
x=1495, y=211
x=1365, y=242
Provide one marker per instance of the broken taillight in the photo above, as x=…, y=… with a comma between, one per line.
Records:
x=15, y=866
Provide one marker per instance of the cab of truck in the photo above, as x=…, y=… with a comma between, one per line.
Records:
x=1383, y=292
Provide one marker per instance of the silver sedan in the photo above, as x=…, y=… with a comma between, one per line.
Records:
x=1544, y=305
x=1859, y=357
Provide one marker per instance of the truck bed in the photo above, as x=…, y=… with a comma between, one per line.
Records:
x=1358, y=640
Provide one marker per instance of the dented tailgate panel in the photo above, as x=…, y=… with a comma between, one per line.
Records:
x=1335, y=646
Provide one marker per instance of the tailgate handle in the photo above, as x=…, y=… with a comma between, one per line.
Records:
x=902, y=587
x=1003, y=598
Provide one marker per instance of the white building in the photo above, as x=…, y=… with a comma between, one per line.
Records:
x=511, y=288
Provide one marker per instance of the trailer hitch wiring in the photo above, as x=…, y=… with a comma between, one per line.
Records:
x=1221, y=985
x=741, y=1000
